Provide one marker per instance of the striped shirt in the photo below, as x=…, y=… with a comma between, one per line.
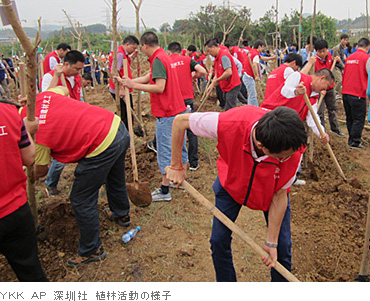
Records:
x=25, y=141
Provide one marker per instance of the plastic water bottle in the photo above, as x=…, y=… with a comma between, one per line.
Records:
x=130, y=234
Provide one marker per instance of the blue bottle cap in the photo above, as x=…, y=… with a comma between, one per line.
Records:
x=138, y=228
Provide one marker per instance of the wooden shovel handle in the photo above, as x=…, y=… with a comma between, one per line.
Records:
x=237, y=230
x=22, y=79
x=327, y=145
x=130, y=128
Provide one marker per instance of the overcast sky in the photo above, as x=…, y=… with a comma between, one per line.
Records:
x=156, y=12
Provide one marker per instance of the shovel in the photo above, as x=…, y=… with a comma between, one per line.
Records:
x=233, y=227
x=138, y=192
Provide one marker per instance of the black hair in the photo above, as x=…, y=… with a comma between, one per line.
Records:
x=295, y=45
x=329, y=76
x=280, y=130
x=192, y=48
x=174, y=47
x=149, y=38
x=363, y=43
x=314, y=39
x=245, y=43
x=321, y=44
x=211, y=43
x=227, y=45
x=64, y=46
x=87, y=76
x=344, y=36
x=259, y=43
x=74, y=56
x=294, y=57
x=132, y=40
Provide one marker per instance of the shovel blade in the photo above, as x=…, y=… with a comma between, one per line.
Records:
x=139, y=193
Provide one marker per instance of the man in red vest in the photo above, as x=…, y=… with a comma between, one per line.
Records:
x=355, y=79
x=259, y=153
x=185, y=67
x=71, y=69
x=292, y=63
x=226, y=73
x=166, y=102
x=18, y=242
x=55, y=57
x=128, y=50
x=74, y=131
x=290, y=94
x=325, y=60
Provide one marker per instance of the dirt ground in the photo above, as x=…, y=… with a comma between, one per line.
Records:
x=328, y=221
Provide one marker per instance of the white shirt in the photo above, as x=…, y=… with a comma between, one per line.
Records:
x=46, y=80
x=287, y=91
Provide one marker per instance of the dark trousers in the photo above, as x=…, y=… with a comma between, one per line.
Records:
x=18, y=243
x=124, y=110
x=105, y=78
x=221, y=238
x=91, y=173
x=231, y=98
x=355, y=108
x=220, y=96
x=331, y=104
x=193, y=140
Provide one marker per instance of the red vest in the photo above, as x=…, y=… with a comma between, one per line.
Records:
x=183, y=70
x=120, y=72
x=248, y=67
x=297, y=103
x=74, y=92
x=241, y=55
x=232, y=81
x=71, y=129
x=169, y=102
x=249, y=182
x=200, y=59
x=13, y=179
x=321, y=64
x=46, y=62
x=355, y=75
x=274, y=80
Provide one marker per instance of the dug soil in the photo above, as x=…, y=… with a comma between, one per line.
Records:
x=328, y=220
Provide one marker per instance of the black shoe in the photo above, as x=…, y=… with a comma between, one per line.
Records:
x=123, y=221
x=339, y=134
x=138, y=131
x=151, y=146
x=194, y=167
x=357, y=146
x=52, y=190
x=78, y=260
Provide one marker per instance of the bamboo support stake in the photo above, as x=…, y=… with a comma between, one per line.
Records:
x=236, y=229
x=205, y=94
x=327, y=145
x=114, y=65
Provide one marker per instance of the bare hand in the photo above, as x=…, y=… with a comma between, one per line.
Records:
x=270, y=262
x=125, y=81
x=300, y=89
x=58, y=70
x=337, y=59
x=22, y=100
x=176, y=176
x=212, y=85
x=135, y=53
x=323, y=93
x=325, y=138
x=31, y=126
x=312, y=60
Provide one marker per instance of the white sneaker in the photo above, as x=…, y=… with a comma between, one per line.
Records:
x=172, y=185
x=158, y=196
x=299, y=182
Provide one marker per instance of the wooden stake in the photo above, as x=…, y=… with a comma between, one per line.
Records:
x=364, y=270
x=114, y=65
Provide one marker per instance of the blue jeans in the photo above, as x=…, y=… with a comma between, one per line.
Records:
x=54, y=173
x=163, y=133
x=250, y=84
x=221, y=238
x=91, y=173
